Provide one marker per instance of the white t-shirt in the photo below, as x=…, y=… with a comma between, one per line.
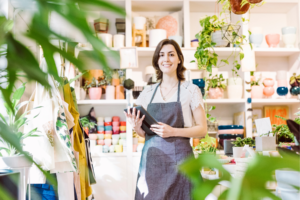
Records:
x=190, y=98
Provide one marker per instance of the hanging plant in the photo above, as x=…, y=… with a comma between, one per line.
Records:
x=238, y=8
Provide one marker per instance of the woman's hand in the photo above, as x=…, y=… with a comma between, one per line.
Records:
x=135, y=121
x=163, y=130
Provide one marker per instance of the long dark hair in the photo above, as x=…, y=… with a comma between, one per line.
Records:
x=180, y=68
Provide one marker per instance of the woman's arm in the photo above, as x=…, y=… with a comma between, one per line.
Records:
x=199, y=130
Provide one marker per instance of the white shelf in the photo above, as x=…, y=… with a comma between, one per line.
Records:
x=276, y=52
x=156, y=5
x=261, y=102
x=109, y=155
x=224, y=101
x=102, y=102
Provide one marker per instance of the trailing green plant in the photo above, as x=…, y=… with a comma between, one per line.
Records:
x=239, y=142
x=282, y=131
x=85, y=122
x=14, y=120
x=253, y=83
x=216, y=82
x=95, y=83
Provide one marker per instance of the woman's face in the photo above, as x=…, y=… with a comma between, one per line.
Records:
x=168, y=59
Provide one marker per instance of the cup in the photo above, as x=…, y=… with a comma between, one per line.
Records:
x=107, y=136
x=116, y=119
x=108, y=128
x=112, y=149
x=107, y=119
x=115, y=132
x=100, y=136
x=93, y=136
x=107, y=142
x=100, y=119
x=289, y=40
x=115, y=137
x=100, y=128
x=282, y=83
x=122, y=128
x=281, y=75
x=115, y=142
x=141, y=140
x=288, y=30
x=115, y=123
x=139, y=22
x=156, y=36
x=107, y=123
x=119, y=41
x=123, y=135
x=256, y=39
x=273, y=40
x=100, y=132
x=100, y=142
x=107, y=132
x=123, y=123
x=116, y=128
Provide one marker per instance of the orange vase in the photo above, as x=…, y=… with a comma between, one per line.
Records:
x=115, y=81
x=236, y=7
x=120, y=92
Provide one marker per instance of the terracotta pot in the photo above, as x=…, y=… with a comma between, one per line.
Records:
x=268, y=82
x=96, y=73
x=273, y=40
x=254, y=1
x=115, y=81
x=215, y=93
x=256, y=92
x=95, y=93
x=236, y=7
x=120, y=92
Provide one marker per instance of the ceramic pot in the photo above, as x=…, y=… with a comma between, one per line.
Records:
x=268, y=91
x=119, y=148
x=106, y=38
x=288, y=30
x=215, y=93
x=273, y=40
x=110, y=92
x=237, y=152
x=282, y=91
x=254, y=1
x=256, y=40
x=119, y=41
x=268, y=82
x=155, y=36
x=115, y=81
x=107, y=142
x=139, y=22
x=100, y=136
x=95, y=93
x=256, y=92
x=256, y=30
x=295, y=90
x=107, y=136
x=217, y=37
x=289, y=40
x=177, y=39
x=115, y=123
x=235, y=91
x=235, y=81
x=236, y=7
x=120, y=92
x=194, y=43
x=17, y=161
x=100, y=142
x=115, y=142
x=282, y=83
x=82, y=94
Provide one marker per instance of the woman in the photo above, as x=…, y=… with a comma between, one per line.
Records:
x=177, y=106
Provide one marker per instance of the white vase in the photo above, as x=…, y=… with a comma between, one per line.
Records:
x=237, y=152
x=119, y=41
x=217, y=37
x=235, y=81
x=248, y=64
x=110, y=92
x=82, y=94
x=289, y=40
x=156, y=36
x=106, y=38
x=139, y=22
x=235, y=91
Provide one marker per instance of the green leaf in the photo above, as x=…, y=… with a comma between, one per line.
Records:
x=19, y=93
x=209, y=68
x=3, y=119
x=225, y=61
x=242, y=56
x=30, y=134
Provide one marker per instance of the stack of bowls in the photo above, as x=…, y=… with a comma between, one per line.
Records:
x=100, y=131
x=201, y=84
x=289, y=36
x=115, y=132
x=228, y=132
x=108, y=133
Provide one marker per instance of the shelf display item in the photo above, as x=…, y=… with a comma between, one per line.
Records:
x=139, y=35
x=215, y=93
x=156, y=36
x=93, y=136
x=115, y=123
x=194, y=43
x=107, y=128
x=257, y=92
x=107, y=123
x=272, y=111
x=224, y=137
x=82, y=94
x=92, y=118
x=177, y=39
x=236, y=7
x=235, y=88
x=119, y=148
x=100, y=128
x=116, y=137
x=100, y=121
x=106, y=38
x=100, y=142
x=115, y=81
x=281, y=78
x=123, y=135
x=119, y=41
x=105, y=149
x=248, y=63
x=128, y=58
x=122, y=128
x=112, y=149
x=107, y=136
x=196, y=141
x=255, y=1
x=120, y=92
x=122, y=123
x=231, y=131
x=282, y=91
x=110, y=92
x=101, y=25
x=230, y=33
x=115, y=119
x=139, y=22
x=116, y=128
x=120, y=25
x=289, y=36
x=268, y=90
x=201, y=84
x=95, y=93
x=107, y=142
x=295, y=91
x=273, y=40
x=100, y=136
x=256, y=40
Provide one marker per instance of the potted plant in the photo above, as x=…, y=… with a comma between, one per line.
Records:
x=239, y=145
x=282, y=132
x=94, y=88
x=216, y=87
x=10, y=155
x=86, y=124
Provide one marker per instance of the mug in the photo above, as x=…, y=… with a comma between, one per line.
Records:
x=108, y=128
x=116, y=128
x=100, y=123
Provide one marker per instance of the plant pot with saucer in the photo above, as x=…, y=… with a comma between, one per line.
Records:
x=216, y=87
x=239, y=144
x=94, y=88
x=256, y=89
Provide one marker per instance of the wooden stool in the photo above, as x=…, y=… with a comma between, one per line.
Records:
x=136, y=32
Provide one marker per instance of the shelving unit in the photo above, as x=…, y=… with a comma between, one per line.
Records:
x=117, y=173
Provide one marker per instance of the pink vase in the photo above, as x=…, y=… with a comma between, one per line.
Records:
x=273, y=40
x=215, y=93
x=256, y=92
x=95, y=93
x=268, y=82
x=269, y=91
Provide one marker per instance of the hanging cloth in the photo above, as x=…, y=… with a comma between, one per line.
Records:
x=79, y=146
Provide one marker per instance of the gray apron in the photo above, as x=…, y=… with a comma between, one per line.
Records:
x=158, y=177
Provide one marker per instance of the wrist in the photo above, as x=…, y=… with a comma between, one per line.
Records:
x=175, y=132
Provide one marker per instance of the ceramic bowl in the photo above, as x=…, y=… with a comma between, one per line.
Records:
x=123, y=123
x=224, y=127
x=116, y=128
x=100, y=119
x=268, y=82
x=123, y=135
x=107, y=142
x=100, y=142
x=288, y=30
x=115, y=123
x=108, y=128
x=93, y=136
x=122, y=128
x=115, y=118
x=107, y=136
x=273, y=40
x=107, y=119
x=289, y=40
x=115, y=132
x=100, y=136
x=256, y=40
x=281, y=91
x=107, y=123
x=115, y=137
x=231, y=131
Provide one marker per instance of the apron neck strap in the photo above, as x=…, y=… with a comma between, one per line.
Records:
x=154, y=93
x=178, y=94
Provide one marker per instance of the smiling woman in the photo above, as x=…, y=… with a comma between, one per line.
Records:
x=178, y=109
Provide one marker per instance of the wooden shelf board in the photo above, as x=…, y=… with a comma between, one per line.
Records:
x=278, y=52
x=102, y=102
x=262, y=102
